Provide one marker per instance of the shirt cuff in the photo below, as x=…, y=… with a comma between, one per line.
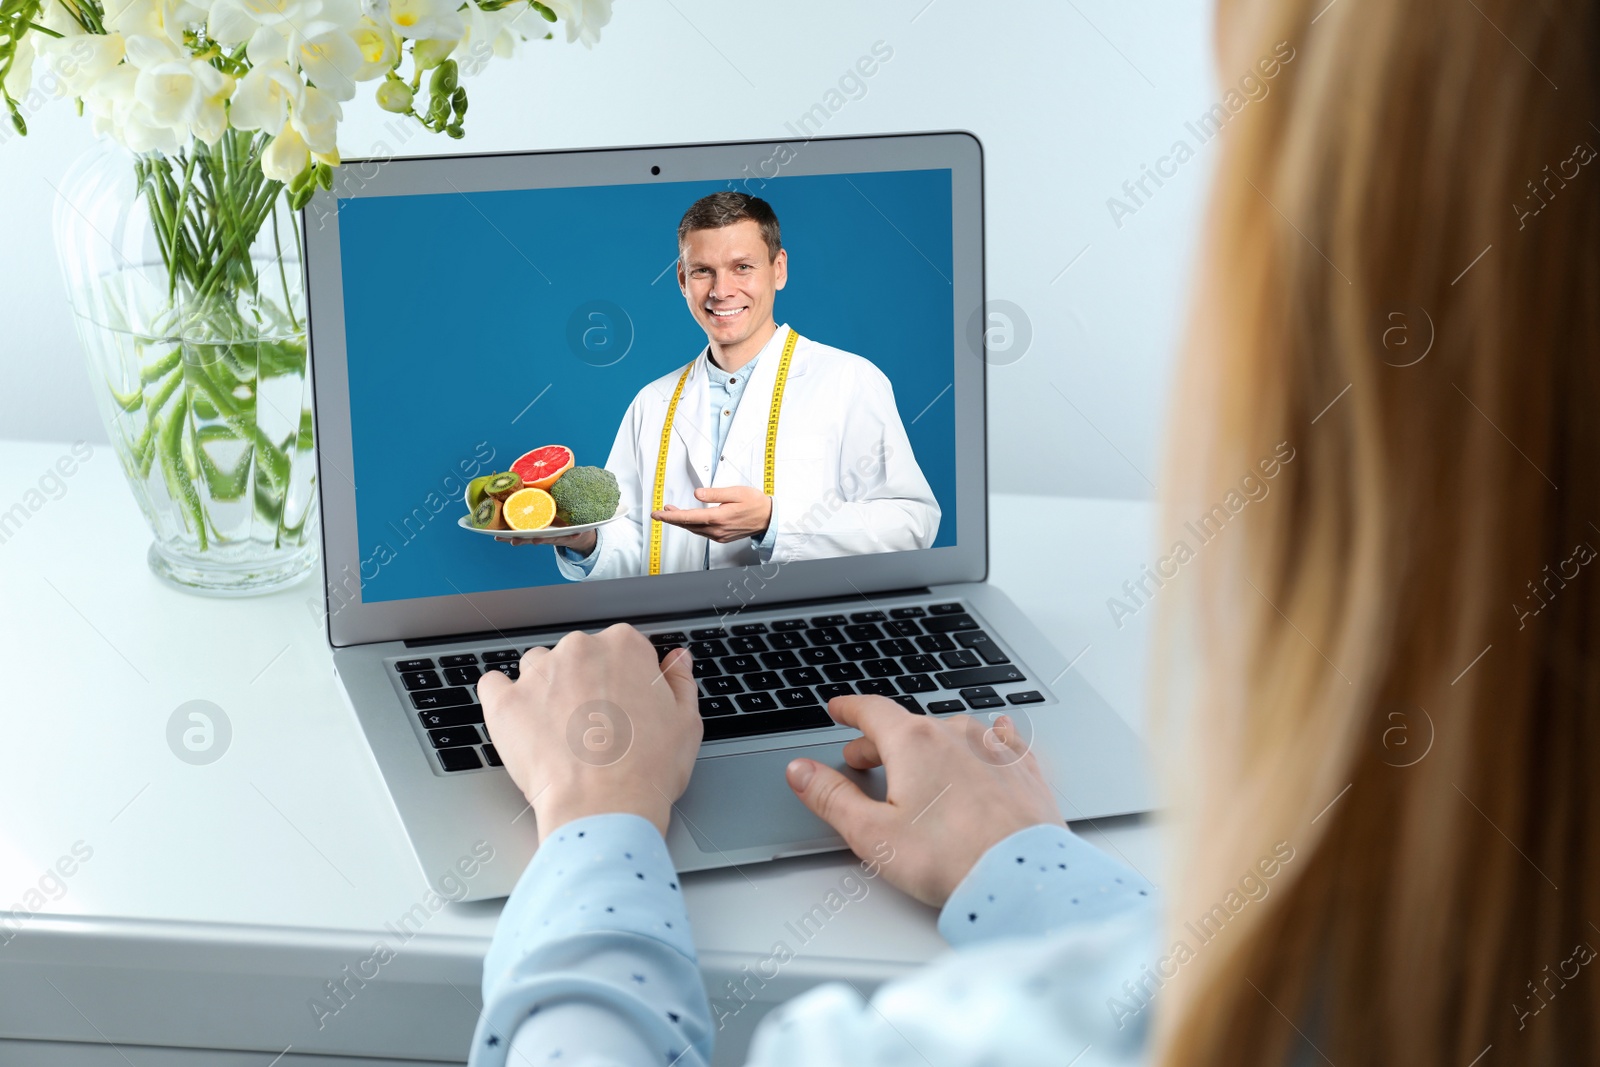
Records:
x=584, y=563
x=1036, y=880
x=769, y=540
x=605, y=875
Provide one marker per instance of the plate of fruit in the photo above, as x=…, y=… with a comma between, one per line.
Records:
x=543, y=496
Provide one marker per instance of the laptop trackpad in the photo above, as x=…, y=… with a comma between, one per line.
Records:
x=744, y=801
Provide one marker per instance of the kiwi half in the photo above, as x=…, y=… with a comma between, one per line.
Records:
x=503, y=484
x=488, y=515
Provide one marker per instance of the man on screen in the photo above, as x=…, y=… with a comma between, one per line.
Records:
x=844, y=480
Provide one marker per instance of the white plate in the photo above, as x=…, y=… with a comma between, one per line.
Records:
x=546, y=534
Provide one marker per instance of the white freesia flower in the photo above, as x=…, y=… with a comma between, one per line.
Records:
x=584, y=19
x=285, y=156
x=174, y=92
x=380, y=48
x=19, y=79
x=331, y=60
x=163, y=19
x=426, y=19
x=80, y=60
x=489, y=34
x=264, y=96
x=316, y=119
x=211, y=118
x=233, y=21
x=118, y=113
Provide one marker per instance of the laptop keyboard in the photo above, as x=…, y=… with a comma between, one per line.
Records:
x=759, y=678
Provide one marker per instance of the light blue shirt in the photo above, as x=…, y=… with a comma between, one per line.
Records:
x=726, y=389
x=593, y=964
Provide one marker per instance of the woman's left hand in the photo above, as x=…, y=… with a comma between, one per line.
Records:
x=596, y=725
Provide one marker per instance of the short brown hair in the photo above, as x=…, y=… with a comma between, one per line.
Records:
x=726, y=208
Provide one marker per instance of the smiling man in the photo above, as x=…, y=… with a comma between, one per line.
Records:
x=841, y=479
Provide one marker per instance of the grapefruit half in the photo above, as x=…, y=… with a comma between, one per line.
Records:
x=541, y=467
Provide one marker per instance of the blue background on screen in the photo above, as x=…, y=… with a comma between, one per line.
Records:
x=457, y=311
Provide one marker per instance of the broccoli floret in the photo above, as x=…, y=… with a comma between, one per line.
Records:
x=584, y=495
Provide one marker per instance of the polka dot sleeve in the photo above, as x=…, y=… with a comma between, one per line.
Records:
x=1038, y=880
x=592, y=961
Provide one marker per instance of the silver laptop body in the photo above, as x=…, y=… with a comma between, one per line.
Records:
x=738, y=808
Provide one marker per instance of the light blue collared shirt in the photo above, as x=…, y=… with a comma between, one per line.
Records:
x=593, y=964
x=726, y=390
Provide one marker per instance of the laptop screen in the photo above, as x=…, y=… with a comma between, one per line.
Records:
x=543, y=332
x=483, y=327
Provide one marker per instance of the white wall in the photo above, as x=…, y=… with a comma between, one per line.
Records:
x=1070, y=98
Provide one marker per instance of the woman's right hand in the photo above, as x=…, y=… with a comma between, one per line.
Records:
x=956, y=786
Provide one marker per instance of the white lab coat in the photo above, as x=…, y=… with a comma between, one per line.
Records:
x=846, y=480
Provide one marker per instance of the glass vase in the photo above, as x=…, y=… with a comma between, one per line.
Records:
x=184, y=277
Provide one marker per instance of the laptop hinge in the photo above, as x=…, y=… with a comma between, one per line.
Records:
x=649, y=620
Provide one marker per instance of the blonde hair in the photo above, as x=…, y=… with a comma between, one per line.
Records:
x=1418, y=574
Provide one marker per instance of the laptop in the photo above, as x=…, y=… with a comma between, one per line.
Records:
x=465, y=311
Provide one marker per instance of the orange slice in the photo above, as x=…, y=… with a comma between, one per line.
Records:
x=529, y=509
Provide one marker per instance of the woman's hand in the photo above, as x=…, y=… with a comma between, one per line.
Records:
x=594, y=725
x=956, y=786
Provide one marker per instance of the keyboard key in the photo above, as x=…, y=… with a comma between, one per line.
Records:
x=916, y=683
x=881, y=686
x=866, y=616
x=979, y=676
x=770, y=722
x=414, y=680
x=721, y=687
x=749, y=702
x=902, y=628
x=787, y=640
x=778, y=661
x=510, y=670
x=747, y=645
x=438, y=720
x=502, y=656
x=948, y=623
x=951, y=608
x=789, y=624
x=454, y=736
x=865, y=631
x=884, y=668
x=662, y=650
x=858, y=650
x=492, y=756
x=983, y=645
x=440, y=698
x=827, y=692
x=981, y=696
x=710, y=707
x=939, y=706
x=798, y=697
x=961, y=657
x=936, y=642
x=703, y=648
x=919, y=664
x=1027, y=696
x=843, y=672
x=671, y=637
x=712, y=633
x=803, y=676
x=706, y=668
x=744, y=629
x=763, y=680
x=414, y=665
x=459, y=759
x=740, y=664
x=912, y=612
x=896, y=646
x=462, y=675
x=816, y=657
x=825, y=635
x=909, y=703
x=827, y=620
x=466, y=659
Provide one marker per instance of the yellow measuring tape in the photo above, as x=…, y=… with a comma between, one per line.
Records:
x=769, y=469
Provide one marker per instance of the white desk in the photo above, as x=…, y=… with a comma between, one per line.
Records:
x=218, y=899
